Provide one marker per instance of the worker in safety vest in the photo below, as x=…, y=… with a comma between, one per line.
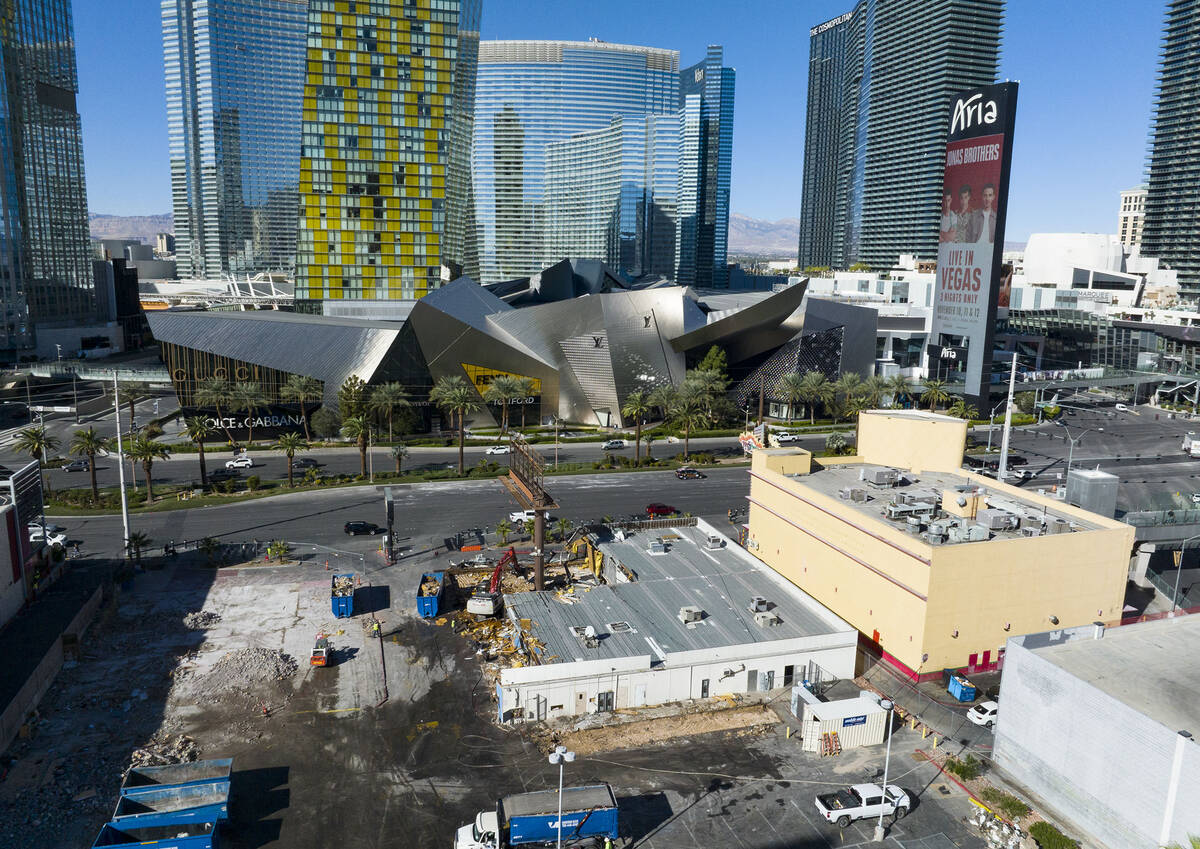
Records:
x=375, y=629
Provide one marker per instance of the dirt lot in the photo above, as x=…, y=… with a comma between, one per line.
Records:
x=628, y=735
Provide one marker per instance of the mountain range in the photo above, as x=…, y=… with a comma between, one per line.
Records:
x=763, y=238
x=143, y=227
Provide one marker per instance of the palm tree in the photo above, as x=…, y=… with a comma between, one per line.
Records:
x=637, y=406
x=456, y=397
x=689, y=411
x=899, y=388
x=289, y=444
x=872, y=391
x=88, y=443
x=198, y=429
x=790, y=388
x=249, y=396
x=708, y=386
x=962, y=410
x=848, y=385
x=817, y=390
x=358, y=429
x=399, y=452
x=561, y=527
x=527, y=390
x=138, y=542
x=216, y=392
x=650, y=437
x=145, y=450
x=501, y=391
x=385, y=399
x=663, y=396
x=130, y=393
x=935, y=393
x=35, y=442
x=302, y=389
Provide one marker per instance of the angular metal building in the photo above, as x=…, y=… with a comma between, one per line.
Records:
x=576, y=331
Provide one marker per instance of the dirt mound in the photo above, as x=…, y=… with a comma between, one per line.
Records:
x=199, y=620
x=245, y=670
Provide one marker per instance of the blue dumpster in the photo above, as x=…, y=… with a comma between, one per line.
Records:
x=429, y=597
x=181, y=836
x=961, y=689
x=341, y=595
x=188, y=803
x=177, y=775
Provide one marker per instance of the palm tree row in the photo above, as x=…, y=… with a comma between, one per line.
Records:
x=841, y=398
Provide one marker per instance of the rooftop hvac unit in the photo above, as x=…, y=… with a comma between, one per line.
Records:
x=657, y=547
x=756, y=604
x=1058, y=526
x=690, y=613
x=881, y=476
x=766, y=618
x=933, y=538
x=913, y=525
x=1031, y=530
x=898, y=511
x=973, y=532
x=713, y=542
x=586, y=635
x=852, y=493
x=998, y=520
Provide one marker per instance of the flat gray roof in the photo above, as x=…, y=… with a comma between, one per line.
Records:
x=1147, y=665
x=831, y=480
x=720, y=582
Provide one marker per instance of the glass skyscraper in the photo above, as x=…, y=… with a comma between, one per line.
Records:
x=45, y=250
x=881, y=81
x=235, y=76
x=382, y=164
x=590, y=150
x=1171, y=228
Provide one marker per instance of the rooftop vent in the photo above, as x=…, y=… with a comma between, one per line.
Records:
x=690, y=613
x=714, y=542
x=656, y=547
x=756, y=604
x=586, y=634
x=766, y=618
x=620, y=628
x=852, y=493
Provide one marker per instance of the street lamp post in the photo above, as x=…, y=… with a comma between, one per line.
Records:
x=992, y=422
x=887, y=706
x=560, y=756
x=1179, y=571
x=1073, y=441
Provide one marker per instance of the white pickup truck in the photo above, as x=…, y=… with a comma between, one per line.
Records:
x=863, y=801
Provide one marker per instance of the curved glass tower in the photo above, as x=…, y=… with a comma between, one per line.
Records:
x=586, y=149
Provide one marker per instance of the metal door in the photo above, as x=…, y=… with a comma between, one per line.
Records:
x=639, y=695
x=987, y=657
x=704, y=689
x=752, y=681
x=789, y=676
x=604, y=701
x=766, y=681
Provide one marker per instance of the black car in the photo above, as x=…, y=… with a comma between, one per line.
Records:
x=366, y=528
x=77, y=466
x=223, y=474
x=689, y=474
x=304, y=463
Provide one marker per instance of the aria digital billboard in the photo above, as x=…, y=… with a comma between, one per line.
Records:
x=971, y=231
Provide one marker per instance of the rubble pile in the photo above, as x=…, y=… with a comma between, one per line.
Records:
x=429, y=587
x=246, y=669
x=199, y=620
x=163, y=749
x=343, y=586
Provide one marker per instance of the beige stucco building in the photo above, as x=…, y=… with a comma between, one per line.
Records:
x=936, y=565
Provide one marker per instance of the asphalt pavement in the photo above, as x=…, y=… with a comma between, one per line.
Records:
x=426, y=512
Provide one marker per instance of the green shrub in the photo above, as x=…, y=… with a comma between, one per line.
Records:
x=1008, y=805
x=964, y=769
x=1049, y=837
x=228, y=486
x=253, y=482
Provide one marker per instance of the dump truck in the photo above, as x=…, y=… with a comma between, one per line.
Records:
x=531, y=819
x=189, y=803
x=341, y=595
x=181, y=836
x=430, y=592
x=178, y=775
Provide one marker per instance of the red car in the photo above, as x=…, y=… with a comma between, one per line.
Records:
x=657, y=509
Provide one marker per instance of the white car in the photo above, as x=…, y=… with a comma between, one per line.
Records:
x=242, y=462
x=51, y=538
x=612, y=445
x=498, y=449
x=984, y=714
x=862, y=801
x=1121, y=408
x=523, y=516
x=784, y=438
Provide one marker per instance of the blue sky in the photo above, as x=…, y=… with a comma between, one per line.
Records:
x=1087, y=74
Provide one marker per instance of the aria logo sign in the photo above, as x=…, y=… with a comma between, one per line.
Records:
x=972, y=111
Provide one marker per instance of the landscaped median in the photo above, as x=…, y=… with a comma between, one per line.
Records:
x=77, y=502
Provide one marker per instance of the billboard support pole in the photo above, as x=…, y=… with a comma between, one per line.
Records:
x=1012, y=379
x=121, y=466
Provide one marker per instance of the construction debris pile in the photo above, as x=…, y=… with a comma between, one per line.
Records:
x=343, y=585
x=245, y=670
x=429, y=587
x=200, y=620
x=163, y=749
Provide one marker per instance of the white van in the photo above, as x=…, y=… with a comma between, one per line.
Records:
x=1122, y=408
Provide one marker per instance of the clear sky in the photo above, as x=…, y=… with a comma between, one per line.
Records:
x=1087, y=70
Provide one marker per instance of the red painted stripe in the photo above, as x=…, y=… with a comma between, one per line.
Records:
x=843, y=520
x=841, y=551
